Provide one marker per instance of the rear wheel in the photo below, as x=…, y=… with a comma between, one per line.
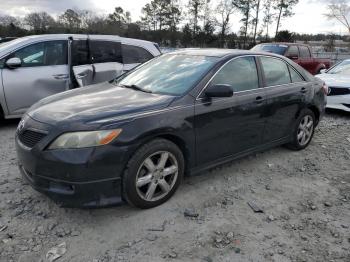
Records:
x=303, y=131
x=153, y=174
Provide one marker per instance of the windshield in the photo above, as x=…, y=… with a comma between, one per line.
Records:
x=172, y=74
x=276, y=49
x=341, y=68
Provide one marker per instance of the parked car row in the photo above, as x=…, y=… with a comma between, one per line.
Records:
x=299, y=53
x=338, y=80
x=133, y=139
x=337, y=77
x=34, y=67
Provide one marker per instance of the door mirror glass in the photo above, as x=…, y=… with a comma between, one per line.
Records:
x=295, y=57
x=13, y=63
x=219, y=91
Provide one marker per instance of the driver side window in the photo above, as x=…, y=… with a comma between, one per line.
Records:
x=240, y=73
x=43, y=54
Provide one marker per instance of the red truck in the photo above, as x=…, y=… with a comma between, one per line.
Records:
x=299, y=53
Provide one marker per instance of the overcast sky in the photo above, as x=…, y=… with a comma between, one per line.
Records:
x=308, y=16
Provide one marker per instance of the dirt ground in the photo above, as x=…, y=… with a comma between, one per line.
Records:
x=304, y=196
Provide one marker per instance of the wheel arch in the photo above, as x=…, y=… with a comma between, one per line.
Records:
x=314, y=109
x=177, y=140
x=316, y=112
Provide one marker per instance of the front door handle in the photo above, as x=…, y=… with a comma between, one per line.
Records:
x=61, y=76
x=259, y=99
x=303, y=90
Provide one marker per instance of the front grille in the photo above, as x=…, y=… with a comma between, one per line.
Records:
x=30, y=138
x=338, y=91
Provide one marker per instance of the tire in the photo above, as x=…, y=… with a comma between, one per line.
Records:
x=147, y=172
x=303, y=131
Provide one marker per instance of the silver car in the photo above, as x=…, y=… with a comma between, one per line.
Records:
x=35, y=67
x=338, y=80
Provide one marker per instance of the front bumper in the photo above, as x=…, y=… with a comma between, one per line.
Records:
x=341, y=102
x=73, y=194
x=87, y=177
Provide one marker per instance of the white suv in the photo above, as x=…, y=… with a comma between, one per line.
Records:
x=35, y=67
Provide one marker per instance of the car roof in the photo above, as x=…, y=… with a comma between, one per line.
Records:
x=220, y=52
x=283, y=43
x=215, y=52
x=8, y=46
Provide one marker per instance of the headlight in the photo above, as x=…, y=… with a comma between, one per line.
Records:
x=75, y=140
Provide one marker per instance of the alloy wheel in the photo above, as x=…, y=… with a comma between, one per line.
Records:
x=157, y=176
x=305, y=130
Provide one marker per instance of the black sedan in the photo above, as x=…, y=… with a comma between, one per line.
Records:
x=133, y=139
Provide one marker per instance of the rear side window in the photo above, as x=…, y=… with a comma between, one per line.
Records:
x=292, y=51
x=240, y=73
x=135, y=55
x=276, y=71
x=43, y=54
x=304, y=52
x=296, y=77
x=80, y=53
x=106, y=51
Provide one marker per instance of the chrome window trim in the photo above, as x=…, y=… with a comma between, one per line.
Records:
x=198, y=98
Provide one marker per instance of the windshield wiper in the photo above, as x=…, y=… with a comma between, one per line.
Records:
x=136, y=87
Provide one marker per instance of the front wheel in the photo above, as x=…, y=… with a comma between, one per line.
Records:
x=303, y=130
x=153, y=174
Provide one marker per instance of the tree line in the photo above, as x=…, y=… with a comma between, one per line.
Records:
x=186, y=23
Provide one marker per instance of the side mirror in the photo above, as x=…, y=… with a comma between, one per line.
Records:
x=13, y=63
x=323, y=71
x=219, y=91
x=292, y=57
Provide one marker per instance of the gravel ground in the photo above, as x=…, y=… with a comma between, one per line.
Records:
x=304, y=198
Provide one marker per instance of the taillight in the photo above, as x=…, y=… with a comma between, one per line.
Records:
x=325, y=89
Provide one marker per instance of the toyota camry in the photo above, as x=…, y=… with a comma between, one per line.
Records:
x=134, y=138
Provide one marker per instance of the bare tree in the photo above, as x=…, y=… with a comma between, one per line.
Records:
x=245, y=7
x=268, y=17
x=224, y=9
x=256, y=18
x=39, y=22
x=70, y=19
x=284, y=9
x=195, y=9
x=339, y=10
x=6, y=20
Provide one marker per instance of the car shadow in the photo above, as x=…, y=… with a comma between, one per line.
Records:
x=9, y=123
x=338, y=113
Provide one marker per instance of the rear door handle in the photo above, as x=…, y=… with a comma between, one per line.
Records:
x=303, y=90
x=61, y=76
x=259, y=99
x=81, y=75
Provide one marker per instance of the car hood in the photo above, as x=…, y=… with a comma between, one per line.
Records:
x=335, y=79
x=95, y=103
